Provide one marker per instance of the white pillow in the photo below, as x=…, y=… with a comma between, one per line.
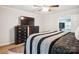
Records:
x=77, y=33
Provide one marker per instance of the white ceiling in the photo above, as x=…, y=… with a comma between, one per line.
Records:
x=33, y=9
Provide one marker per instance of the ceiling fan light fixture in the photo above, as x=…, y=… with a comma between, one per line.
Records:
x=45, y=9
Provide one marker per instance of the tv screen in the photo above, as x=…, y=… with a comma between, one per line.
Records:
x=61, y=25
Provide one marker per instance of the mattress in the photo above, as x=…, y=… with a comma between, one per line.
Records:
x=56, y=42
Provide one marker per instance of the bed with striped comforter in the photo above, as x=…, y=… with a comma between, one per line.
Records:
x=56, y=42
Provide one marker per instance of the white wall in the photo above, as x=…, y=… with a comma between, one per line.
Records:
x=50, y=21
x=9, y=19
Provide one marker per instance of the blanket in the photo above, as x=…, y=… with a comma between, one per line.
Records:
x=40, y=43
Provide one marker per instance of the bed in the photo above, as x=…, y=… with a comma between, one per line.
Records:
x=56, y=42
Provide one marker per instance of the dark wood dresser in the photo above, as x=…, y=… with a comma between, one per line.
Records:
x=23, y=31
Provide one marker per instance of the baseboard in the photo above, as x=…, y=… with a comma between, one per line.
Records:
x=6, y=44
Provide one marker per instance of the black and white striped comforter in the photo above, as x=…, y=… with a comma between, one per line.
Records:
x=41, y=43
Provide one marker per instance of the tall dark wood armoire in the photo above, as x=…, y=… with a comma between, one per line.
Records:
x=25, y=29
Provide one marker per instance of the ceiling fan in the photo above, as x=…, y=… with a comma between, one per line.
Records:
x=45, y=7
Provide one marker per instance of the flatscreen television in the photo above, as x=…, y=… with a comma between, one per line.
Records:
x=61, y=25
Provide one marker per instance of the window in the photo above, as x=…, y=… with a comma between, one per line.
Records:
x=65, y=23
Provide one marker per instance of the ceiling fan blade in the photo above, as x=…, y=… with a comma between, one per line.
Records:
x=39, y=9
x=54, y=6
x=37, y=5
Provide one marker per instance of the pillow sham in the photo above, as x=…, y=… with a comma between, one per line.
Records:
x=77, y=33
